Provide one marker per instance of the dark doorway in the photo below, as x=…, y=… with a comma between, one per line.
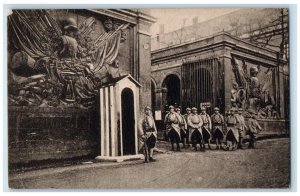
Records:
x=172, y=83
x=128, y=122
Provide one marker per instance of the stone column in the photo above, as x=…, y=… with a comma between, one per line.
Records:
x=164, y=100
x=282, y=94
x=143, y=50
x=225, y=59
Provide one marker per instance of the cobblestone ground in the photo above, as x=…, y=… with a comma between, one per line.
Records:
x=267, y=166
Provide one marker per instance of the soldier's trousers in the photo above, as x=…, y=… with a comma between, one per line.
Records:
x=251, y=140
x=174, y=136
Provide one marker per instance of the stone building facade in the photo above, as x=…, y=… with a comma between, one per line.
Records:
x=219, y=71
x=57, y=62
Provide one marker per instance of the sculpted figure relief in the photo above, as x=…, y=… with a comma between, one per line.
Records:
x=67, y=60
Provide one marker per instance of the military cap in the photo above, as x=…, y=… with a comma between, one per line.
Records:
x=194, y=109
x=251, y=111
x=171, y=107
x=177, y=109
x=147, y=108
x=240, y=109
x=71, y=24
x=216, y=109
x=203, y=108
x=188, y=109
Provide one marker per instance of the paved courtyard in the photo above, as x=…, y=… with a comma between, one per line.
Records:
x=267, y=166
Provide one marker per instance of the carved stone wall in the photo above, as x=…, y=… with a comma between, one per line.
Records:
x=51, y=133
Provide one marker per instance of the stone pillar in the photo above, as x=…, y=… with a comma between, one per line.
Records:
x=163, y=100
x=282, y=94
x=144, y=57
x=225, y=60
x=144, y=73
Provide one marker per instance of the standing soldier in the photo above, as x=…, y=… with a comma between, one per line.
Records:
x=194, y=122
x=166, y=108
x=217, y=127
x=206, y=126
x=241, y=127
x=238, y=123
x=148, y=134
x=172, y=120
x=188, y=112
x=183, y=127
x=231, y=124
x=252, y=128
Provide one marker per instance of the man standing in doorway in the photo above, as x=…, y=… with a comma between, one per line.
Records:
x=148, y=134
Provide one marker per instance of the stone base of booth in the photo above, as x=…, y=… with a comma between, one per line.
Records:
x=120, y=158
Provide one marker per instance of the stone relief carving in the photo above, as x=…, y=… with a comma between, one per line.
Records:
x=60, y=67
x=250, y=92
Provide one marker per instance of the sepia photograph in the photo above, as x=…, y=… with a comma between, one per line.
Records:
x=148, y=98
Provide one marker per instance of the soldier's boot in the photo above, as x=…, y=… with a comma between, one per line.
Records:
x=151, y=155
x=194, y=145
x=240, y=144
x=251, y=143
x=218, y=147
x=172, y=144
x=178, y=146
x=202, y=146
x=151, y=159
x=184, y=143
x=146, y=156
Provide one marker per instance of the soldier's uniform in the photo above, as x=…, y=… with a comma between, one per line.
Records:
x=231, y=123
x=241, y=126
x=188, y=110
x=206, y=126
x=172, y=121
x=252, y=129
x=147, y=134
x=194, y=122
x=217, y=125
x=182, y=126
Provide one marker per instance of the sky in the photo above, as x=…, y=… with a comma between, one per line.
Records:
x=173, y=19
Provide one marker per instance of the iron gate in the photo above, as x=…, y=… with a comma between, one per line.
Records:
x=198, y=83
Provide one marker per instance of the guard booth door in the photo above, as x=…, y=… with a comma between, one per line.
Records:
x=128, y=122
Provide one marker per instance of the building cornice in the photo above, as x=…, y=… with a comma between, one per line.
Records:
x=214, y=43
x=126, y=15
